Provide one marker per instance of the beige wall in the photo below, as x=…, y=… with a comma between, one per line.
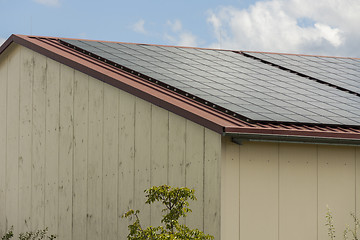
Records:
x=280, y=190
x=76, y=153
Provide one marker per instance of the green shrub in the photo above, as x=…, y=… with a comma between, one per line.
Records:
x=348, y=233
x=175, y=201
x=37, y=235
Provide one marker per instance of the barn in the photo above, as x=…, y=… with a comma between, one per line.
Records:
x=267, y=140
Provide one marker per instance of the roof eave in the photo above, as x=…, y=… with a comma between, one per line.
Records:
x=293, y=136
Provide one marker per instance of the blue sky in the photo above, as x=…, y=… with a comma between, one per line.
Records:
x=325, y=27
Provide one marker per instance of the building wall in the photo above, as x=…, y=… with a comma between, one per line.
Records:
x=280, y=191
x=76, y=153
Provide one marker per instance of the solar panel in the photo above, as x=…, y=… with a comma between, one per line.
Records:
x=245, y=85
x=342, y=72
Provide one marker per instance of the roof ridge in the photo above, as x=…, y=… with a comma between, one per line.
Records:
x=188, y=47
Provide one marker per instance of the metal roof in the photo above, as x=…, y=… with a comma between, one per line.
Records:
x=229, y=92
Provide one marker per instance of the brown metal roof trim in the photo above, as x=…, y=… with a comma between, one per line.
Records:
x=181, y=105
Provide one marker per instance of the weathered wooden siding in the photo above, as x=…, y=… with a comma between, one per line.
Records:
x=281, y=190
x=76, y=153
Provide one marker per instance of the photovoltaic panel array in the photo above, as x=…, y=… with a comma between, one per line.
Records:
x=341, y=72
x=244, y=85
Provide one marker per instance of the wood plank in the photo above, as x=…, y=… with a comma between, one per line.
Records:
x=298, y=191
x=126, y=160
x=195, y=173
x=12, y=138
x=336, y=184
x=52, y=145
x=212, y=192
x=110, y=162
x=3, y=117
x=159, y=156
x=38, y=146
x=81, y=114
x=357, y=163
x=142, y=157
x=176, y=172
x=259, y=191
x=95, y=158
x=66, y=152
x=230, y=190
x=25, y=141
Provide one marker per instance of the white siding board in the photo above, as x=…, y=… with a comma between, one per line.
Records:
x=3, y=117
x=212, y=183
x=126, y=160
x=336, y=184
x=12, y=138
x=357, y=183
x=142, y=157
x=66, y=152
x=95, y=159
x=259, y=191
x=230, y=190
x=81, y=114
x=195, y=172
x=298, y=191
x=25, y=140
x=110, y=163
x=159, y=156
x=52, y=145
x=38, y=142
x=176, y=169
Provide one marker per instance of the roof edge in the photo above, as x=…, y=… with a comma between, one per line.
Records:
x=7, y=43
x=240, y=137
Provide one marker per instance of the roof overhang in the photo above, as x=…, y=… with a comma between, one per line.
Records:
x=181, y=105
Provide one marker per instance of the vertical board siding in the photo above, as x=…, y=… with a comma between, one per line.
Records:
x=52, y=145
x=336, y=183
x=12, y=139
x=195, y=172
x=81, y=114
x=176, y=169
x=38, y=142
x=126, y=181
x=212, y=155
x=298, y=194
x=95, y=159
x=142, y=157
x=357, y=183
x=66, y=148
x=230, y=191
x=76, y=153
x=3, y=117
x=25, y=141
x=110, y=160
x=284, y=189
x=259, y=191
x=159, y=156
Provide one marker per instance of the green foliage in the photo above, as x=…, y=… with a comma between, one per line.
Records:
x=348, y=234
x=176, y=205
x=37, y=235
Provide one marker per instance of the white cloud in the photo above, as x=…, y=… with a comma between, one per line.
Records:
x=139, y=27
x=2, y=40
x=175, y=26
x=48, y=2
x=274, y=26
x=179, y=36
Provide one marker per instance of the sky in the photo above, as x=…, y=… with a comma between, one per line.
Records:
x=317, y=27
